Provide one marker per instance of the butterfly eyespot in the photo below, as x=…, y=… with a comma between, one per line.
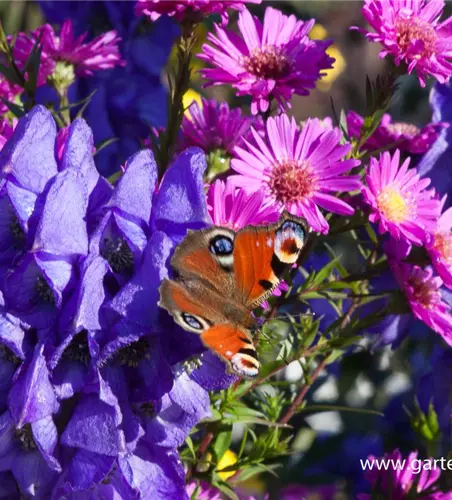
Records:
x=295, y=227
x=221, y=246
x=191, y=321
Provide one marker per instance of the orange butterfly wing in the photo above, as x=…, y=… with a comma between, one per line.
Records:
x=262, y=254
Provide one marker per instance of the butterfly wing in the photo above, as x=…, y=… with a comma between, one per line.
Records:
x=262, y=255
x=198, y=311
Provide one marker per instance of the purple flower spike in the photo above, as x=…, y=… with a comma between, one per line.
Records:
x=180, y=202
x=29, y=156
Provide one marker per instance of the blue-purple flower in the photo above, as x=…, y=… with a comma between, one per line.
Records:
x=95, y=396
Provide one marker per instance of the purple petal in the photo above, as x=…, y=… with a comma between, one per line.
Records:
x=87, y=468
x=138, y=299
x=180, y=203
x=190, y=396
x=156, y=473
x=212, y=375
x=45, y=435
x=12, y=336
x=23, y=201
x=28, y=156
x=8, y=486
x=32, y=473
x=78, y=153
x=62, y=228
x=68, y=378
x=32, y=397
x=93, y=428
x=135, y=189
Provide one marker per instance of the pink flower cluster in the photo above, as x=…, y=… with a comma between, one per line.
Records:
x=401, y=203
x=192, y=9
x=85, y=57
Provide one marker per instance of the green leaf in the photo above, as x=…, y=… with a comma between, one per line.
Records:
x=105, y=143
x=222, y=441
x=14, y=108
x=83, y=102
x=224, y=487
x=190, y=446
x=259, y=421
x=113, y=179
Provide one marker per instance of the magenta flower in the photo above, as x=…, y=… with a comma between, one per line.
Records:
x=65, y=54
x=298, y=169
x=192, y=9
x=275, y=59
x=405, y=136
x=423, y=292
x=9, y=92
x=6, y=131
x=232, y=207
x=410, y=31
x=213, y=126
x=439, y=246
x=405, y=478
x=399, y=200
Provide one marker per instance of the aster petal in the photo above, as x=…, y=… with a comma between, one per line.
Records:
x=333, y=204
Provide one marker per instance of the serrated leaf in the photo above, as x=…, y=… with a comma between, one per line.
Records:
x=260, y=421
x=222, y=441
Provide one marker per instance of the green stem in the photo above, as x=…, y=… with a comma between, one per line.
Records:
x=179, y=84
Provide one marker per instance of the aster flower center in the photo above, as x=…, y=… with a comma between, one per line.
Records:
x=8, y=355
x=267, y=62
x=118, y=254
x=443, y=245
x=424, y=291
x=44, y=291
x=410, y=32
x=78, y=349
x=132, y=354
x=402, y=128
x=392, y=204
x=25, y=436
x=291, y=181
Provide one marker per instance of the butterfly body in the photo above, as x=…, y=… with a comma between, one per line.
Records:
x=219, y=278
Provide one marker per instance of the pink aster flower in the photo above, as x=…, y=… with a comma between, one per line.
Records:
x=9, y=92
x=6, y=131
x=423, y=292
x=274, y=59
x=405, y=476
x=399, y=200
x=232, y=207
x=193, y=9
x=214, y=126
x=439, y=246
x=298, y=169
x=70, y=51
x=410, y=31
x=404, y=136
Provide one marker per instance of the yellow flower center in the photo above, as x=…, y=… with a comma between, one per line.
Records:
x=393, y=205
x=443, y=245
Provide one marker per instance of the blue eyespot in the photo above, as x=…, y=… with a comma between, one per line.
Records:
x=191, y=321
x=221, y=245
x=295, y=227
